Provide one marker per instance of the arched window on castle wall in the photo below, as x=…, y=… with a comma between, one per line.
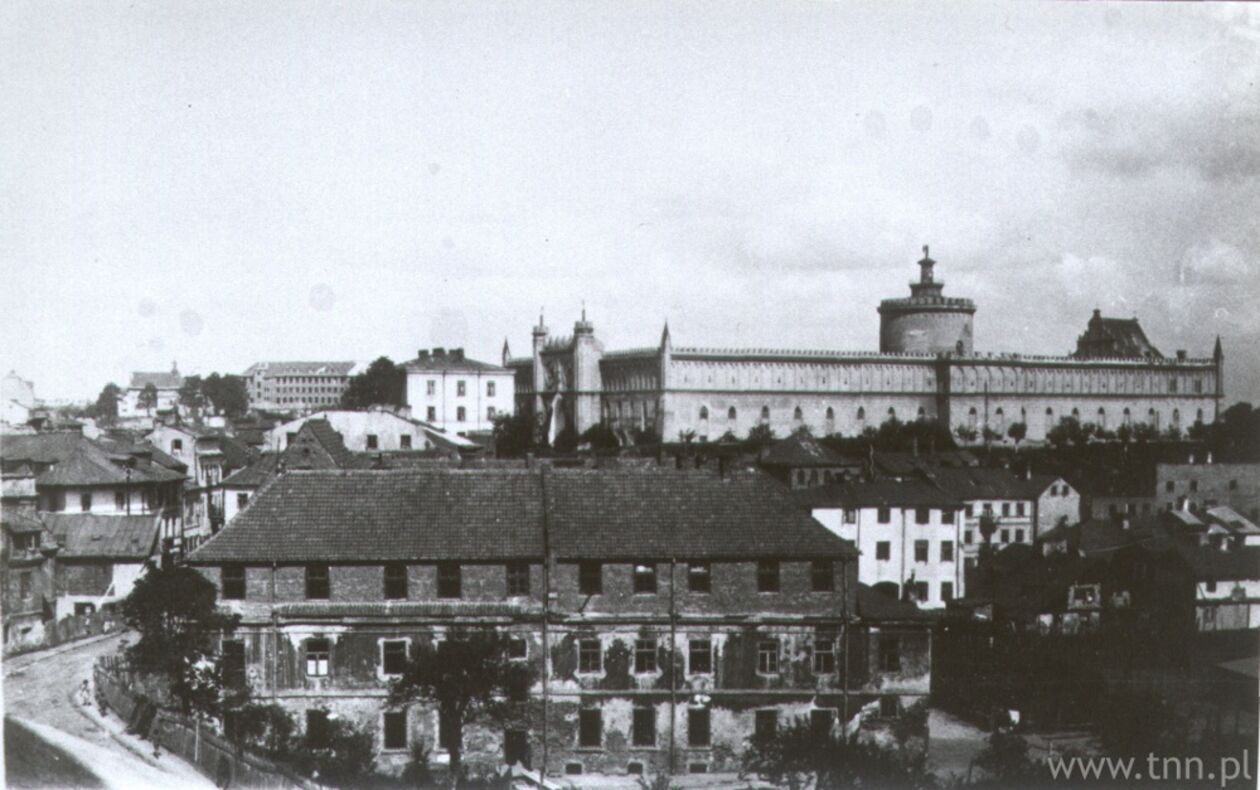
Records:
x=1049, y=419
x=972, y=417
x=798, y=416
x=732, y=414
x=892, y=413
x=704, y=412
x=765, y=415
x=1198, y=416
x=1102, y=417
x=702, y=430
x=1128, y=418
x=999, y=420
x=922, y=413
x=1176, y=418
x=861, y=414
x=1076, y=413
x=830, y=426
x=1152, y=417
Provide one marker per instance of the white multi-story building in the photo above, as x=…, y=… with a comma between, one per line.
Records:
x=298, y=386
x=907, y=533
x=457, y=394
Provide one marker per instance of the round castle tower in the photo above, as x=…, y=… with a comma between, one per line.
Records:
x=926, y=321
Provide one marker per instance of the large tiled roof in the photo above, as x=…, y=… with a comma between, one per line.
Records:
x=254, y=475
x=88, y=536
x=163, y=380
x=801, y=450
x=877, y=493
x=301, y=368
x=453, y=360
x=90, y=465
x=974, y=483
x=494, y=515
x=41, y=448
x=1114, y=337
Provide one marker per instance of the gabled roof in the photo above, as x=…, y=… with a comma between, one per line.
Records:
x=41, y=448
x=89, y=536
x=163, y=380
x=254, y=475
x=900, y=464
x=975, y=483
x=1114, y=337
x=495, y=515
x=90, y=465
x=454, y=360
x=877, y=493
x=322, y=433
x=1232, y=520
x=21, y=520
x=801, y=450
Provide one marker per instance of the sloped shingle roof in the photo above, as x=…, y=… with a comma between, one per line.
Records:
x=163, y=380
x=877, y=493
x=799, y=450
x=90, y=536
x=498, y=514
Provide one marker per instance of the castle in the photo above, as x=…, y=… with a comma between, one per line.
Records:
x=925, y=368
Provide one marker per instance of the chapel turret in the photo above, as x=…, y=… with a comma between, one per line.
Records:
x=926, y=322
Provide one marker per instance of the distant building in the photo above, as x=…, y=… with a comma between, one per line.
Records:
x=801, y=461
x=926, y=368
x=17, y=400
x=908, y=535
x=664, y=616
x=457, y=394
x=167, y=386
x=298, y=386
x=1202, y=484
x=374, y=431
x=211, y=455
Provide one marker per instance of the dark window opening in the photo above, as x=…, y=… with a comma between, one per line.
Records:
x=590, y=578
x=517, y=647
x=822, y=576
x=234, y=663
x=700, y=656
x=394, y=657
x=590, y=656
x=395, y=581
x=768, y=576
x=448, y=580
x=518, y=578
x=395, y=729
x=318, y=657
x=768, y=656
x=884, y=515
x=889, y=653
x=317, y=584
x=234, y=582
x=645, y=578
x=698, y=727
x=883, y=550
x=590, y=728
x=644, y=727
x=699, y=577
x=765, y=723
x=644, y=656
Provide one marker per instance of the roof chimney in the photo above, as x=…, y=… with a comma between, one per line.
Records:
x=439, y=352
x=457, y=354
x=1181, y=355
x=424, y=353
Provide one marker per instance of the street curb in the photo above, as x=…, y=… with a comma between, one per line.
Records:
x=9, y=663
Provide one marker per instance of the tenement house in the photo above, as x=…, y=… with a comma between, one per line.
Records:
x=926, y=368
x=664, y=616
x=456, y=394
x=298, y=386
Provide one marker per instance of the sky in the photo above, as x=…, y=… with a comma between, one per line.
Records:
x=223, y=183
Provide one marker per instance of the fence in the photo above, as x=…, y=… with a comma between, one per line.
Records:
x=210, y=753
x=58, y=632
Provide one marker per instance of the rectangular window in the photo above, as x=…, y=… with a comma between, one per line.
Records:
x=889, y=653
x=85, y=502
x=431, y=414
x=1169, y=487
x=969, y=511
x=430, y=387
x=884, y=516
x=177, y=446
x=396, y=581
x=590, y=728
x=518, y=578
x=700, y=656
x=947, y=551
x=765, y=723
x=234, y=663
x=394, y=657
x=1194, y=486
x=372, y=441
x=461, y=414
x=1006, y=536
x=821, y=719
x=590, y=656
x=289, y=437
x=394, y=728
x=404, y=441
x=317, y=582
x=947, y=591
x=698, y=727
x=1019, y=509
x=242, y=499
x=883, y=550
x=318, y=652
x=233, y=582
x=889, y=707
x=461, y=389
x=947, y=516
x=768, y=576
x=699, y=577
x=316, y=728
x=1019, y=536
x=644, y=656
x=489, y=389
x=920, y=551
x=590, y=578
x=921, y=591
x=850, y=517
x=516, y=747
x=822, y=576
x=922, y=515
x=645, y=578
x=517, y=648
x=824, y=653
x=490, y=413
x=1006, y=508
x=768, y=656
x=644, y=726
x=120, y=500
x=448, y=580
x=24, y=585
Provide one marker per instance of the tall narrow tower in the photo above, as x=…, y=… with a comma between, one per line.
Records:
x=926, y=322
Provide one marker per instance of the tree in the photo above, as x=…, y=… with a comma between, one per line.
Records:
x=514, y=435
x=191, y=396
x=600, y=437
x=800, y=755
x=106, y=407
x=382, y=384
x=1017, y=431
x=966, y=433
x=760, y=436
x=990, y=435
x=1005, y=759
x=227, y=394
x=148, y=399
x=336, y=753
x=468, y=676
x=173, y=609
